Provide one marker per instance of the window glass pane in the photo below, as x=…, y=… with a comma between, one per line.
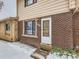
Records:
x=29, y=28
x=30, y=2
x=46, y=28
x=7, y=27
x=33, y=27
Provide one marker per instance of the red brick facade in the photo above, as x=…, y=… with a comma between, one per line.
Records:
x=62, y=31
x=30, y=40
x=76, y=29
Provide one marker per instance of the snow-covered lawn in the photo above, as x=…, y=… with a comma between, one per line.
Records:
x=15, y=50
x=55, y=56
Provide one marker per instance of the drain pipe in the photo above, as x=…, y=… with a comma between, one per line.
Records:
x=76, y=10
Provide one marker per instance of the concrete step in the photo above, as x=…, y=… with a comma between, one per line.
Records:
x=38, y=56
x=41, y=54
x=44, y=53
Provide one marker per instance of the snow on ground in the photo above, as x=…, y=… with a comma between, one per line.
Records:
x=55, y=56
x=15, y=50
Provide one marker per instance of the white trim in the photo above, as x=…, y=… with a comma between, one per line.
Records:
x=35, y=29
x=30, y=36
x=23, y=27
x=50, y=24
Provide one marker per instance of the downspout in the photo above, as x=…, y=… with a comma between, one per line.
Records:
x=75, y=10
x=73, y=6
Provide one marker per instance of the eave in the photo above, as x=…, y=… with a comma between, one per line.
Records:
x=9, y=19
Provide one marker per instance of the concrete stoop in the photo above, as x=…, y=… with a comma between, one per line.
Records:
x=41, y=54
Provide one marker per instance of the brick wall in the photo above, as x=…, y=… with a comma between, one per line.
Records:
x=62, y=30
x=76, y=29
x=30, y=40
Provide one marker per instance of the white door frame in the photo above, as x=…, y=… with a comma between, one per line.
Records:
x=46, y=40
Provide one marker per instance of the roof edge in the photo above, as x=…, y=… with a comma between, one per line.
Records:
x=9, y=19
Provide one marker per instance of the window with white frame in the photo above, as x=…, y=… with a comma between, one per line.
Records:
x=29, y=2
x=30, y=27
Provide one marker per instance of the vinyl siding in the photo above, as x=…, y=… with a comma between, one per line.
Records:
x=42, y=8
x=77, y=3
x=72, y=4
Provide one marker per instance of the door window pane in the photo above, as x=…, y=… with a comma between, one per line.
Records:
x=46, y=28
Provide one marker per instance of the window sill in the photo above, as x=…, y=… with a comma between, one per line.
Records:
x=30, y=36
x=8, y=32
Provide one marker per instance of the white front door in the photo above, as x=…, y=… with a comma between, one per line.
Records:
x=46, y=30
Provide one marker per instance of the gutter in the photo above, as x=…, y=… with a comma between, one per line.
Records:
x=9, y=19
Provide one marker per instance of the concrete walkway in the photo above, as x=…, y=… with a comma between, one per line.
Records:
x=15, y=50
